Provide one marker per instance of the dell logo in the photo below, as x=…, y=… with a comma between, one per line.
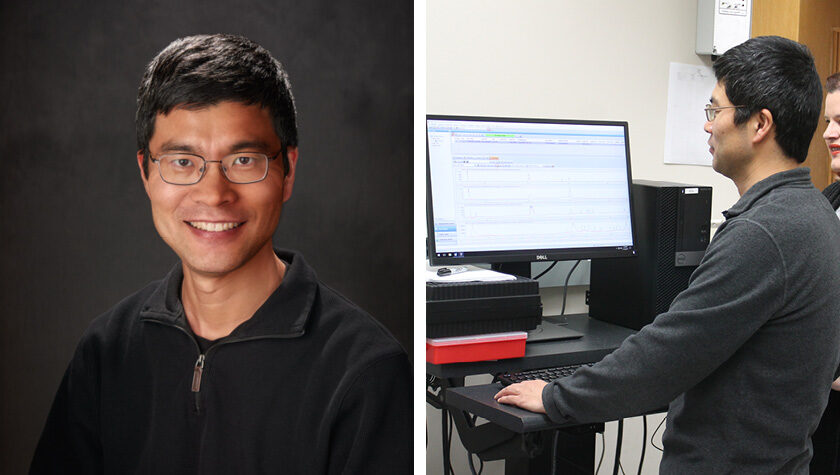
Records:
x=542, y=257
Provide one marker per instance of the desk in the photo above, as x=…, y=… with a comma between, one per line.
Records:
x=514, y=434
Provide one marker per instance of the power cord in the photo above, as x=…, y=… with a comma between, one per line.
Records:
x=446, y=440
x=601, y=459
x=449, y=443
x=644, y=443
x=546, y=270
x=654, y=435
x=436, y=400
x=472, y=466
x=566, y=286
x=473, y=420
x=617, y=463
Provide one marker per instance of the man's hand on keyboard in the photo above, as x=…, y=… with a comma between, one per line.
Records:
x=527, y=395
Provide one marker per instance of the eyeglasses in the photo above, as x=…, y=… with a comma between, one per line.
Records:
x=188, y=169
x=711, y=112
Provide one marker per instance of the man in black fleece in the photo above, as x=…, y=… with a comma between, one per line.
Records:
x=240, y=360
x=746, y=354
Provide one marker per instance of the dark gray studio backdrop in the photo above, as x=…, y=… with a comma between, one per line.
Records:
x=76, y=233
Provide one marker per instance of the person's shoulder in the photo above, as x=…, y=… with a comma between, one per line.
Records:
x=343, y=335
x=118, y=320
x=786, y=211
x=745, y=239
x=345, y=319
x=357, y=345
x=833, y=187
x=787, y=222
x=832, y=193
x=333, y=319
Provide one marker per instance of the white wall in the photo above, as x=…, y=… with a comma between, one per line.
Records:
x=597, y=59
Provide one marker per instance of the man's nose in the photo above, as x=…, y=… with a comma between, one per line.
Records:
x=214, y=188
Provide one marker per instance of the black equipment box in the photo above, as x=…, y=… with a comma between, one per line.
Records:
x=472, y=308
x=672, y=233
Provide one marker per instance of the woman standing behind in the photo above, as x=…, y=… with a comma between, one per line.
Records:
x=826, y=439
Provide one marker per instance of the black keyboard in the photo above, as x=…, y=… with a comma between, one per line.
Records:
x=546, y=374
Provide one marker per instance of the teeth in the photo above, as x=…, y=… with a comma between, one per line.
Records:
x=212, y=227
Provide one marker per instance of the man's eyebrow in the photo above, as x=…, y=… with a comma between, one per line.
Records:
x=173, y=146
x=250, y=144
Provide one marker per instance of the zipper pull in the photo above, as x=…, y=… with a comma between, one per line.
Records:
x=199, y=367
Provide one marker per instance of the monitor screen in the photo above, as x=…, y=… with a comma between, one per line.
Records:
x=504, y=190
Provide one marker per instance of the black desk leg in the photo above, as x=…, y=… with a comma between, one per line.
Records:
x=575, y=453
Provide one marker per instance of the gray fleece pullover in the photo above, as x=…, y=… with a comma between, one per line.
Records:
x=746, y=355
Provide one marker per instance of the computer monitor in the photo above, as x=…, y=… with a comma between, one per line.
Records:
x=505, y=190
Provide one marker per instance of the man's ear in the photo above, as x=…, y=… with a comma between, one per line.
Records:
x=142, y=174
x=289, y=181
x=762, y=124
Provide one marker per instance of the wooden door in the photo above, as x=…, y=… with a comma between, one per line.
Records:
x=814, y=23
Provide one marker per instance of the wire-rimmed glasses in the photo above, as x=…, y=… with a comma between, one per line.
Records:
x=711, y=112
x=181, y=168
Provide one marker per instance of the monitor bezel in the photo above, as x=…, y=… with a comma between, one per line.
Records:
x=526, y=255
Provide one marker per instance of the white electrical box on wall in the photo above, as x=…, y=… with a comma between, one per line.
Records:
x=722, y=24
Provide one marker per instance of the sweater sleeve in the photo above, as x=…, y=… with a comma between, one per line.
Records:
x=738, y=286
x=70, y=442
x=372, y=434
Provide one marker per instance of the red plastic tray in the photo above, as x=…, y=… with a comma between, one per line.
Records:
x=463, y=349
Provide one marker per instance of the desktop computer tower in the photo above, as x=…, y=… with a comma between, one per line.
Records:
x=672, y=223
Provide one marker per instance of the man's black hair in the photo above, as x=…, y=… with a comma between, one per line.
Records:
x=204, y=70
x=777, y=74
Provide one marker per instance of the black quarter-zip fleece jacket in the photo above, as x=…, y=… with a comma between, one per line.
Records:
x=310, y=384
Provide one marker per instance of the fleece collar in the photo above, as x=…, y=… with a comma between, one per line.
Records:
x=284, y=313
x=797, y=178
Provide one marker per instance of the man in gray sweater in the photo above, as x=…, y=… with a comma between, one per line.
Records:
x=746, y=355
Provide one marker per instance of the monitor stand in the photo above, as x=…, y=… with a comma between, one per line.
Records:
x=548, y=331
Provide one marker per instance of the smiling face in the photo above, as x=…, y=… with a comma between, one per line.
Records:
x=832, y=130
x=729, y=143
x=216, y=226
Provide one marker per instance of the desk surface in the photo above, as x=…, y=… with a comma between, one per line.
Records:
x=479, y=400
x=599, y=339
